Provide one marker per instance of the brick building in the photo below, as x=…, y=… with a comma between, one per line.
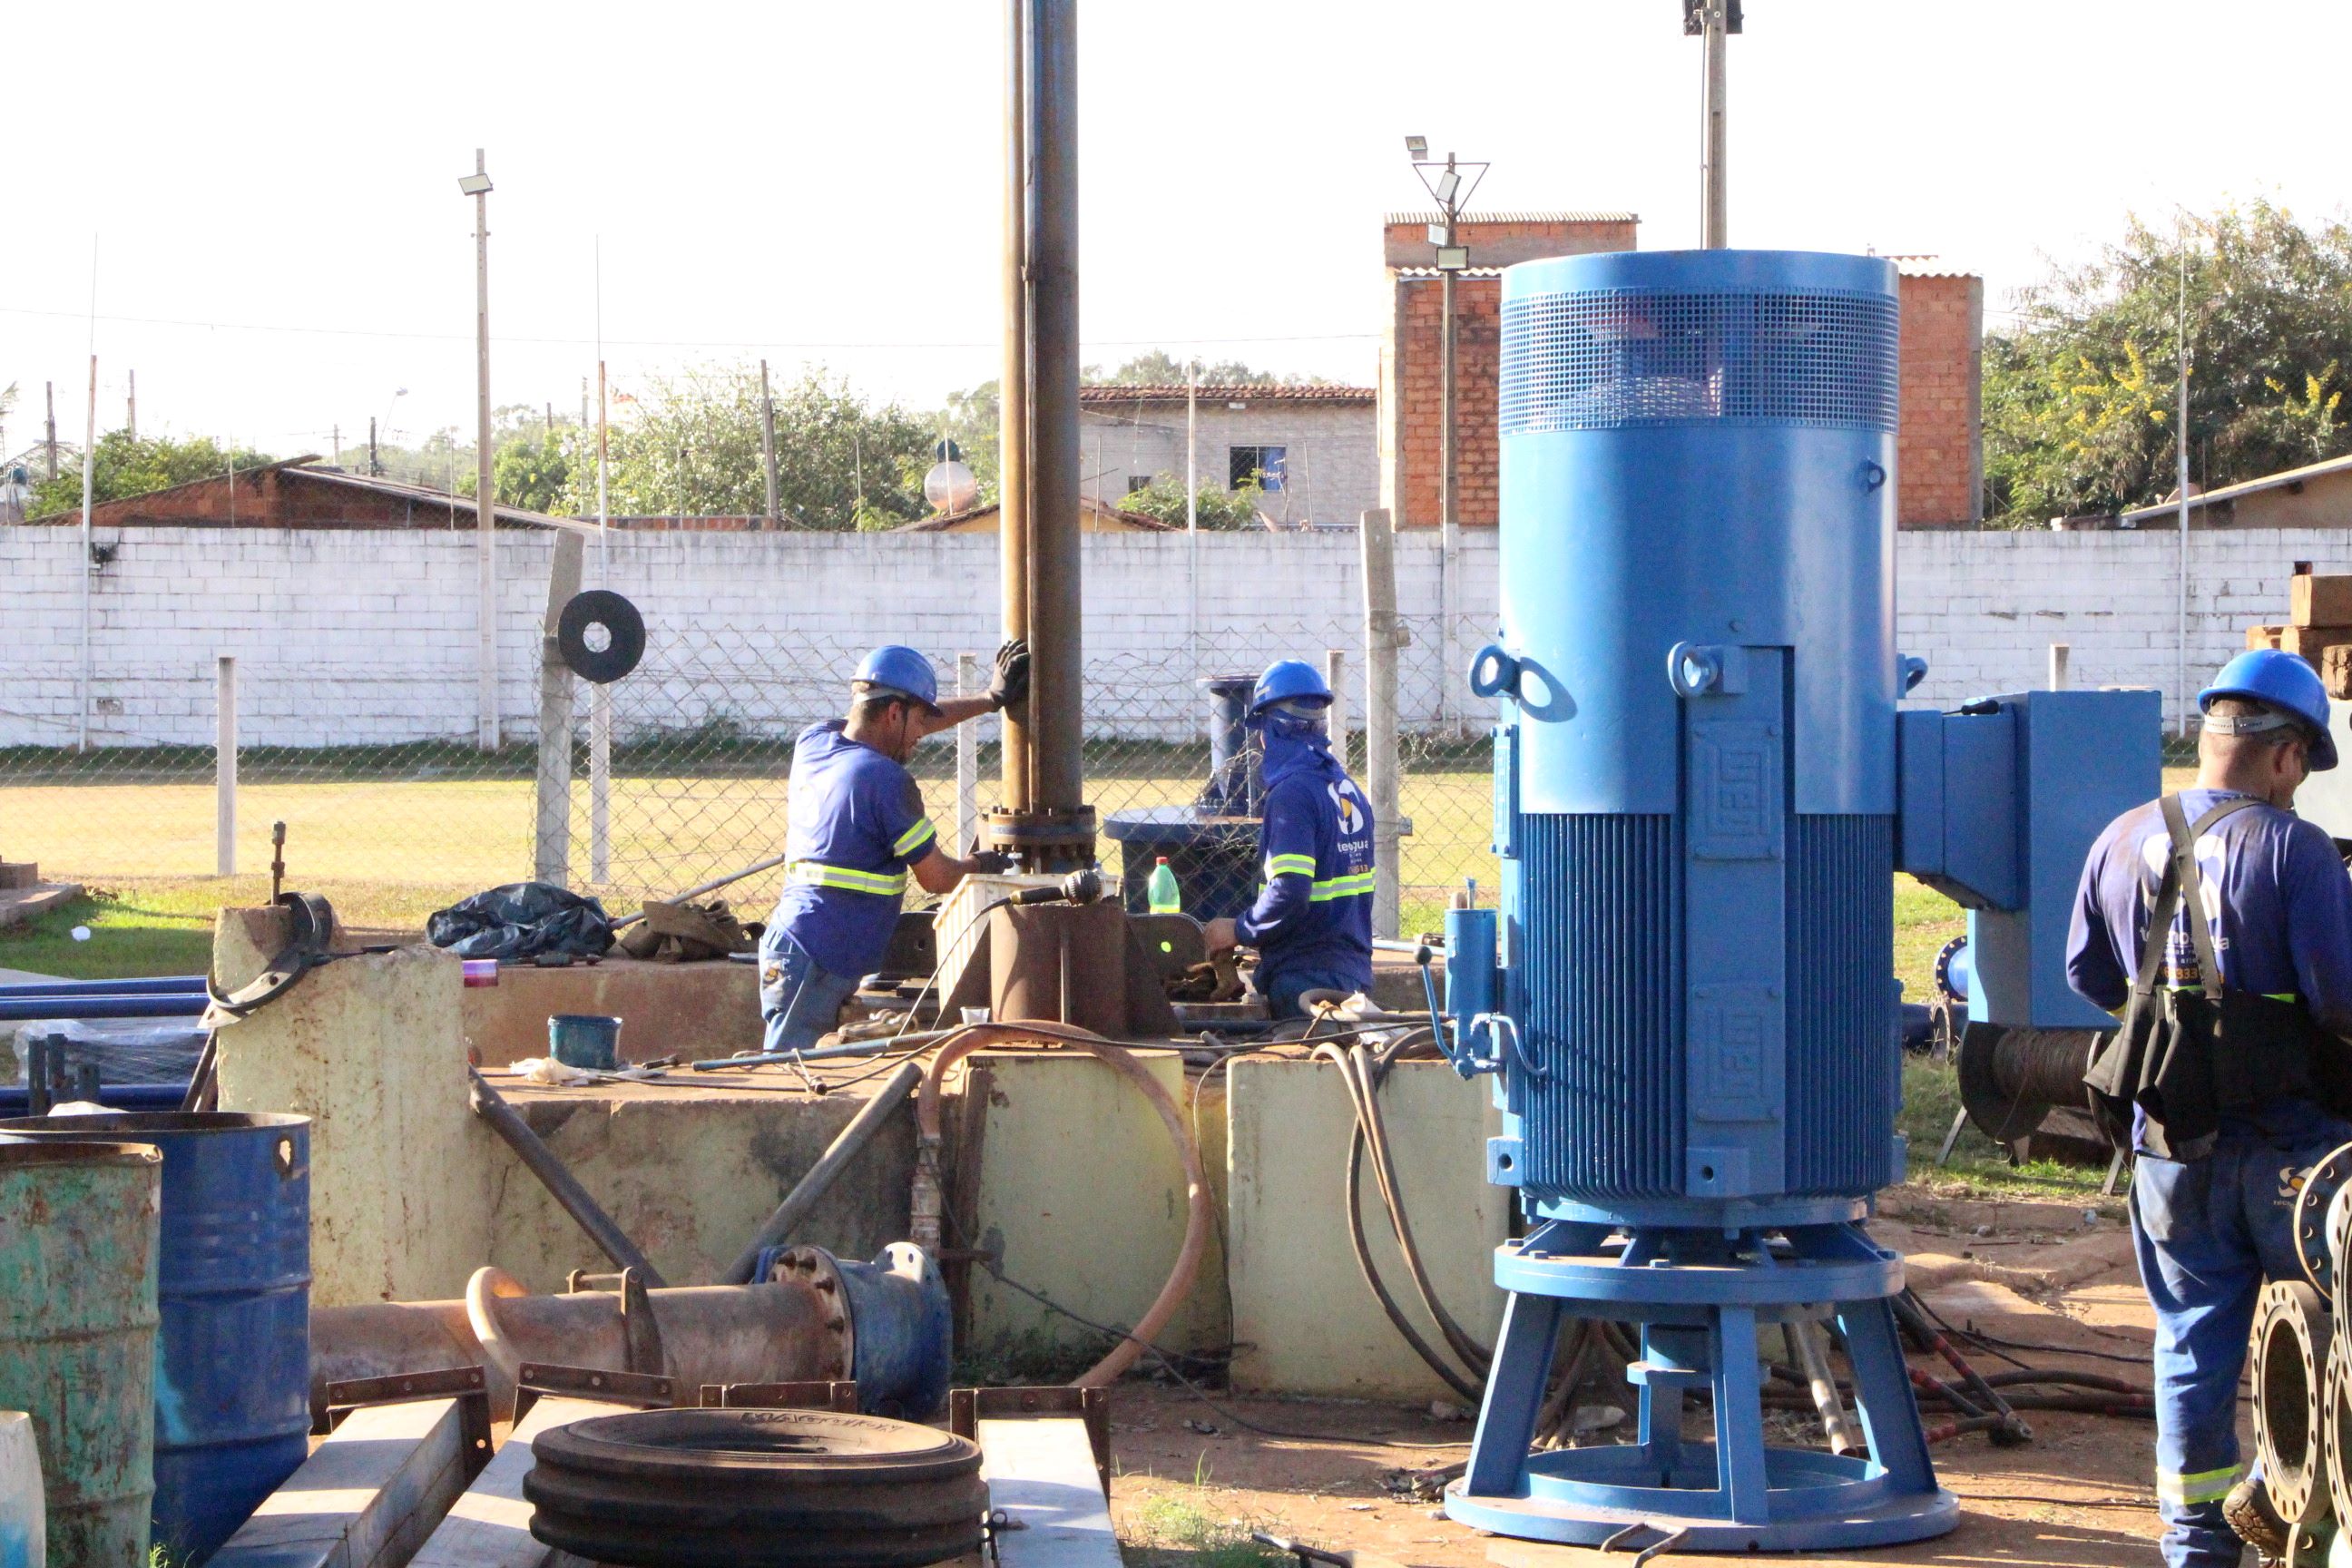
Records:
x=1314, y=448
x=1939, y=436
x=295, y=493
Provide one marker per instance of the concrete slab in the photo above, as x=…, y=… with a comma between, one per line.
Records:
x=490, y=1526
x=371, y=1492
x=1041, y=1475
x=18, y=905
x=25, y=977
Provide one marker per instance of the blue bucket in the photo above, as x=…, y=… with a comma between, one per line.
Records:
x=589, y=1041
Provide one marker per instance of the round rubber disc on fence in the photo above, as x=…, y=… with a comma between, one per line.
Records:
x=601, y=635
x=2292, y=1332
x=761, y=1489
x=2318, y=1189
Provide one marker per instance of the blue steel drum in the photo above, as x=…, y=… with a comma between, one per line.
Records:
x=233, y=1362
x=1697, y=450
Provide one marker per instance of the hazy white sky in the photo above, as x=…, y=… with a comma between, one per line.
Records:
x=282, y=244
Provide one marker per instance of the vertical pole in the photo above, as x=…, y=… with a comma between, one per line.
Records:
x=2059, y=654
x=88, y=561
x=374, y=468
x=552, y=843
x=1449, y=467
x=485, y=502
x=336, y=435
x=967, y=809
x=1055, y=643
x=1192, y=513
x=1716, y=25
x=1383, y=635
x=1335, y=721
x=50, y=387
x=600, y=697
x=130, y=404
x=768, y=440
x=2180, y=643
x=224, y=768
x=1012, y=392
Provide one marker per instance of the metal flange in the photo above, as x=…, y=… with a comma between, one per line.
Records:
x=2291, y=1331
x=2313, y=1245
x=2335, y=1434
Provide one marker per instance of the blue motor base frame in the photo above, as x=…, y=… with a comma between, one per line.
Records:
x=1699, y=1296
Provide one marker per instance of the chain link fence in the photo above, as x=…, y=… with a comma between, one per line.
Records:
x=676, y=774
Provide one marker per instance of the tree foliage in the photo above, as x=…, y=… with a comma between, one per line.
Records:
x=1216, y=506
x=690, y=444
x=2080, y=394
x=123, y=466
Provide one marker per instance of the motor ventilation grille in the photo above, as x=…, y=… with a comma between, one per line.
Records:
x=1608, y=359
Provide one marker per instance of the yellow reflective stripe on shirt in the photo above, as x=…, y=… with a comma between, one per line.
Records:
x=913, y=840
x=1340, y=887
x=2203, y=1486
x=817, y=874
x=1290, y=865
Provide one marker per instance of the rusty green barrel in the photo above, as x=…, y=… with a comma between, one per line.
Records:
x=77, y=1250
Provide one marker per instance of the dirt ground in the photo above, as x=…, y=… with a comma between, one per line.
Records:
x=1189, y=1480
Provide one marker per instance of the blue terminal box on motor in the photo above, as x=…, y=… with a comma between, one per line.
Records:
x=1704, y=789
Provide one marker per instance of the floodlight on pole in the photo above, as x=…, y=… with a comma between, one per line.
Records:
x=474, y=185
x=1416, y=146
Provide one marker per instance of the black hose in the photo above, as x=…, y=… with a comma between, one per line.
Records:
x=1475, y=1356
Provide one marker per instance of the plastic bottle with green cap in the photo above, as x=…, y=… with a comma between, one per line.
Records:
x=1162, y=892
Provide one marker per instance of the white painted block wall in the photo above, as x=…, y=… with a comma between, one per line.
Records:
x=348, y=637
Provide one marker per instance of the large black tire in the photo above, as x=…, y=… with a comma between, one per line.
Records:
x=751, y=1488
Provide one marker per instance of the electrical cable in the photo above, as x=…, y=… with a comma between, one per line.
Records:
x=1475, y=1356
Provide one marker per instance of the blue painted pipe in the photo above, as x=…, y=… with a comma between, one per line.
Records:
x=152, y=985
x=901, y=1322
x=17, y=1100
x=83, y=1005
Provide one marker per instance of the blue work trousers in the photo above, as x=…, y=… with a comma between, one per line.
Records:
x=799, y=998
x=2209, y=1233
x=1281, y=988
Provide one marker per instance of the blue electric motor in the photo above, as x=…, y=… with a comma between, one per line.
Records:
x=1688, y=997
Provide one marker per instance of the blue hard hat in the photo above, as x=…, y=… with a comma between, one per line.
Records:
x=1289, y=680
x=893, y=670
x=2285, y=682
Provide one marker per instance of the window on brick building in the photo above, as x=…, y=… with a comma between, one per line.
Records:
x=1269, y=463
x=1138, y=482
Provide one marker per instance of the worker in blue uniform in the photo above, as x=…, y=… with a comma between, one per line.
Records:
x=2228, y=1071
x=857, y=832
x=1312, y=923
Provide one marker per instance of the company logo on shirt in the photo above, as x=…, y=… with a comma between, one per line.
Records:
x=1352, y=819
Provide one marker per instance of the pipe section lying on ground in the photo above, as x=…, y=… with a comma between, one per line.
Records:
x=610, y=1239
x=825, y=1171
x=925, y=1200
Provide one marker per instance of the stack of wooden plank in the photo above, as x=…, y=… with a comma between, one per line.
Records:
x=2318, y=629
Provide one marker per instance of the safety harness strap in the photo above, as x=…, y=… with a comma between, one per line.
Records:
x=2181, y=877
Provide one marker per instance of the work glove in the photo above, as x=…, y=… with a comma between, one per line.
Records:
x=1010, y=686
x=992, y=862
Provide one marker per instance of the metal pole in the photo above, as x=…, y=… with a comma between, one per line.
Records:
x=485, y=502
x=224, y=768
x=1056, y=647
x=821, y=1177
x=2180, y=322
x=560, y=1184
x=1192, y=512
x=768, y=440
x=1012, y=392
x=88, y=561
x=1384, y=634
x=1716, y=25
x=967, y=814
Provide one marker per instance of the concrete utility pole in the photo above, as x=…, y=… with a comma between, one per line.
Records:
x=89, y=558
x=374, y=468
x=130, y=402
x=478, y=185
x=2181, y=445
x=1714, y=21
x=768, y=440
x=1452, y=259
x=50, y=387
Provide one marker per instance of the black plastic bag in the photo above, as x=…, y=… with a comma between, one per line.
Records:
x=522, y=920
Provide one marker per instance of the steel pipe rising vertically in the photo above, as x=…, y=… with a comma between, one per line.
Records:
x=1044, y=817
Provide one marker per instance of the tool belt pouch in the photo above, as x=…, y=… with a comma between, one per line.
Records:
x=2187, y=1055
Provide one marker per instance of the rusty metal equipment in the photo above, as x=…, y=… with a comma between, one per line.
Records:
x=1045, y=821
x=2011, y=1079
x=466, y=1385
x=815, y=1316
